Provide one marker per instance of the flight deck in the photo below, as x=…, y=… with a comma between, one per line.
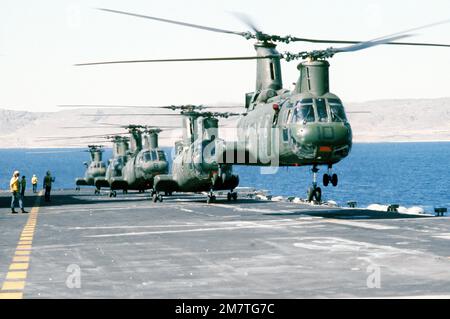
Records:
x=82, y=245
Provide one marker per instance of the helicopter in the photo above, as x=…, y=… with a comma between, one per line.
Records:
x=139, y=164
x=195, y=167
x=307, y=126
x=94, y=169
x=115, y=164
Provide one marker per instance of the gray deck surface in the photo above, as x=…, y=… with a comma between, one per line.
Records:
x=129, y=247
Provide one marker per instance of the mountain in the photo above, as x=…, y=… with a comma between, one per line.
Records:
x=388, y=121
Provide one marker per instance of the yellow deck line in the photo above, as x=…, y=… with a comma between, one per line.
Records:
x=15, y=280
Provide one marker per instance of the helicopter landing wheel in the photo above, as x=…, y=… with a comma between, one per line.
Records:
x=334, y=180
x=157, y=197
x=326, y=180
x=229, y=196
x=97, y=192
x=124, y=191
x=211, y=198
x=234, y=196
x=77, y=189
x=314, y=194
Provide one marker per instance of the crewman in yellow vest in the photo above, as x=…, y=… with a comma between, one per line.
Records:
x=14, y=186
x=34, y=182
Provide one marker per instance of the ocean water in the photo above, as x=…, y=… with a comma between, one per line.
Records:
x=409, y=174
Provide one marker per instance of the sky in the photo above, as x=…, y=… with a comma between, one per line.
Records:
x=41, y=40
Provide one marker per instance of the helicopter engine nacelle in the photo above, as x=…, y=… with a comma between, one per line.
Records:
x=314, y=77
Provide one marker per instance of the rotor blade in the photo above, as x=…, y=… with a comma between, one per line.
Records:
x=141, y=106
x=185, y=24
x=238, y=58
x=75, y=137
x=107, y=106
x=137, y=114
x=355, y=42
x=392, y=42
x=369, y=44
x=244, y=18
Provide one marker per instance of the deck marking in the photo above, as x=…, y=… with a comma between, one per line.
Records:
x=15, y=280
x=233, y=226
x=360, y=224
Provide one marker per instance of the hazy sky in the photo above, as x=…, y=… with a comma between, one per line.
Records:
x=41, y=40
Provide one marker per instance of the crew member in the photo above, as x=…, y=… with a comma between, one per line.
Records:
x=34, y=182
x=48, y=179
x=23, y=187
x=14, y=186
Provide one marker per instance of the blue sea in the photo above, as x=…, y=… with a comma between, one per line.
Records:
x=409, y=174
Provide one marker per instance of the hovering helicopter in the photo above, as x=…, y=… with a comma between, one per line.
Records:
x=94, y=169
x=307, y=126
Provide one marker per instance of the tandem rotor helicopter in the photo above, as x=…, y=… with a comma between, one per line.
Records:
x=307, y=126
x=94, y=169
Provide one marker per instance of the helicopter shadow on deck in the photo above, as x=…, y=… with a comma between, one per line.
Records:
x=201, y=199
x=353, y=214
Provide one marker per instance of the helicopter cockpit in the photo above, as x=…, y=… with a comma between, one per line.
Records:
x=312, y=110
x=303, y=112
x=153, y=155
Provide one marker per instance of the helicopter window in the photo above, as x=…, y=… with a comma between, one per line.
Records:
x=272, y=73
x=337, y=111
x=146, y=157
x=161, y=156
x=303, y=111
x=154, y=156
x=321, y=110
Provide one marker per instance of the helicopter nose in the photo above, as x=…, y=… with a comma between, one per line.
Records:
x=323, y=134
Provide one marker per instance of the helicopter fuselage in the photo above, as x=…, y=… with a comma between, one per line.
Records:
x=292, y=130
x=195, y=169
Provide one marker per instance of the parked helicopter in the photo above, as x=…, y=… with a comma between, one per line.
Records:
x=115, y=164
x=138, y=165
x=195, y=167
x=303, y=127
x=94, y=169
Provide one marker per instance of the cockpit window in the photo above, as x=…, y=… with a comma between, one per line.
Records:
x=161, y=156
x=337, y=111
x=154, y=156
x=146, y=157
x=303, y=111
x=321, y=110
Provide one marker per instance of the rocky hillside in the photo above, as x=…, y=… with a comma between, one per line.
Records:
x=388, y=121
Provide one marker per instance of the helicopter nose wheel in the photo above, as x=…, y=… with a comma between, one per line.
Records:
x=330, y=178
x=113, y=194
x=232, y=196
x=97, y=191
x=211, y=198
x=157, y=197
x=314, y=192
